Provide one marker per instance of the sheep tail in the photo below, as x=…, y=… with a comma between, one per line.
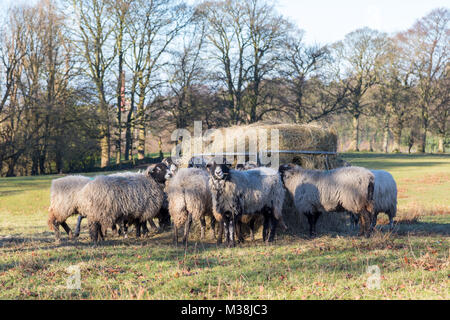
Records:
x=51, y=219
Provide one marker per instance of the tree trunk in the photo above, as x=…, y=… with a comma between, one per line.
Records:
x=141, y=141
x=104, y=144
x=423, y=137
x=397, y=132
x=386, y=134
x=356, y=132
x=11, y=167
x=441, y=147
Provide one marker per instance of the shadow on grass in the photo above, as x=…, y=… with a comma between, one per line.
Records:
x=424, y=229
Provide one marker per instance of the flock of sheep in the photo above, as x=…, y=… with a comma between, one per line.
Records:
x=229, y=197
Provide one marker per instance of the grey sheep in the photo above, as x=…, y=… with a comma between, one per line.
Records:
x=157, y=171
x=119, y=198
x=384, y=196
x=64, y=202
x=189, y=199
x=236, y=193
x=343, y=189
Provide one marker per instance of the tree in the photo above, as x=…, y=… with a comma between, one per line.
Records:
x=426, y=47
x=152, y=27
x=185, y=72
x=358, y=59
x=93, y=41
x=266, y=33
x=440, y=110
x=229, y=42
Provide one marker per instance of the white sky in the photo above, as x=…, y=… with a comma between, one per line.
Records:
x=328, y=21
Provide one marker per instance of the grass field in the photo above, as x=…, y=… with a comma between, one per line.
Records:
x=413, y=261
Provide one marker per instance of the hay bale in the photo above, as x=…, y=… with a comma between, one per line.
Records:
x=259, y=136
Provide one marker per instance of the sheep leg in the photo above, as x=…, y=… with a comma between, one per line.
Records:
x=115, y=230
x=137, y=226
x=93, y=231
x=220, y=232
x=153, y=225
x=266, y=226
x=56, y=229
x=239, y=235
x=251, y=225
x=144, y=227
x=101, y=232
x=163, y=219
x=175, y=235
x=124, y=228
x=391, y=220
x=365, y=224
x=373, y=222
x=273, y=227
x=202, y=227
x=231, y=230
x=187, y=226
x=312, y=220
x=67, y=229
x=213, y=227
x=226, y=225
x=78, y=227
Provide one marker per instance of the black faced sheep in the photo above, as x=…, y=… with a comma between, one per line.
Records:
x=236, y=193
x=343, y=189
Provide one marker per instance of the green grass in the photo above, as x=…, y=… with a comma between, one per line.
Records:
x=413, y=260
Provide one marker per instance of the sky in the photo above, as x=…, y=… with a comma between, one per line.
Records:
x=327, y=21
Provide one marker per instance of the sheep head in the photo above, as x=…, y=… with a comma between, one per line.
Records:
x=158, y=172
x=219, y=171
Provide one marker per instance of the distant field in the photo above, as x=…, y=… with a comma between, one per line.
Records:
x=413, y=260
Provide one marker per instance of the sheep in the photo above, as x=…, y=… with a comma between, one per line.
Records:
x=157, y=171
x=249, y=220
x=247, y=166
x=235, y=193
x=342, y=189
x=159, y=174
x=63, y=202
x=189, y=199
x=118, y=198
x=384, y=197
x=198, y=162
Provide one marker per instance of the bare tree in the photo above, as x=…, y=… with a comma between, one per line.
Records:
x=93, y=37
x=358, y=59
x=153, y=25
x=186, y=71
x=440, y=110
x=426, y=46
x=229, y=43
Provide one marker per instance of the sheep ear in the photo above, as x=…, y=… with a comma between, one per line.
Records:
x=211, y=164
x=283, y=168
